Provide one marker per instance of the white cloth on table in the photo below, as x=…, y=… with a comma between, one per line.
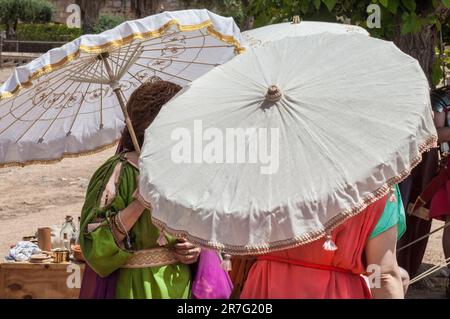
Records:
x=22, y=251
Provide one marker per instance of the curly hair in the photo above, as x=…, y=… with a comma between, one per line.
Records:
x=143, y=107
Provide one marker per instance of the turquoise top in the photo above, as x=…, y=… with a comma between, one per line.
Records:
x=393, y=214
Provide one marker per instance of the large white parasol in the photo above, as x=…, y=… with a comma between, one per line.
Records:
x=71, y=100
x=285, y=142
x=296, y=28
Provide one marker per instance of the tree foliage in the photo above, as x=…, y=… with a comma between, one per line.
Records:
x=27, y=11
x=46, y=32
x=409, y=15
x=106, y=22
x=412, y=24
x=446, y=32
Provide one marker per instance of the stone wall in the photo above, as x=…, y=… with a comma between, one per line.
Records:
x=61, y=6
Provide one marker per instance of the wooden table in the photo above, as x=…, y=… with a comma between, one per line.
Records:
x=40, y=281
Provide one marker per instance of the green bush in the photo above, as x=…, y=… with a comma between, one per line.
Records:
x=47, y=32
x=14, y=12
x=106, y=22
x=29, y=11
x=37, y=11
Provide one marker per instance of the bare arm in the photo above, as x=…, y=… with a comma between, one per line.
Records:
x=380, y=254
x=129, y=216
x=185, y=252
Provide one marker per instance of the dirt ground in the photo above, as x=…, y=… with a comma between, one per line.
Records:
x=42, y=195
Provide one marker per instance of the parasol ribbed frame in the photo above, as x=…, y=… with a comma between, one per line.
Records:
x=110, y=45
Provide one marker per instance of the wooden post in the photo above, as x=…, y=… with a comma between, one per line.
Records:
x=117, y=90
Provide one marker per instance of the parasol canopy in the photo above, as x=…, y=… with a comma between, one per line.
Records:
x=273, y=32
x=71, y=100
x=285, y=142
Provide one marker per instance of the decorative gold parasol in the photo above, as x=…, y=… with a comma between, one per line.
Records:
x=71, y=100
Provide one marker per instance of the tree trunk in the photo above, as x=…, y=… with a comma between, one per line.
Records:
x=249, y=19
x=143, y=8
x=10, y=32
x=90, y=11
x=420, y=46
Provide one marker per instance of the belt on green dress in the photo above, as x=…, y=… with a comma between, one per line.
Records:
x=155, y=257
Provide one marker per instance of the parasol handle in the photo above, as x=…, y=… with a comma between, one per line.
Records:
x=118, y=91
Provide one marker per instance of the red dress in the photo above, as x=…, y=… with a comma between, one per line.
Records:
x=322, y=274
x=440, y=204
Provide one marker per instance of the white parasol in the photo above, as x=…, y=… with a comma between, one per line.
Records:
x=71, y=100
x=285, y=142
x=296, y=28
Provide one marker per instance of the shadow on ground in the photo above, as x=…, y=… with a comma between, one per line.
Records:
x=432, y=287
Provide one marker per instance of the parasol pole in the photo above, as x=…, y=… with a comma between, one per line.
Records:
x=118, y=91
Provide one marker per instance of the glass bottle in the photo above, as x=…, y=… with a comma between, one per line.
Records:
x=69, y=230
x=66, y=242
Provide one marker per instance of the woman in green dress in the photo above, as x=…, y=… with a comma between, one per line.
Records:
x=117, y=235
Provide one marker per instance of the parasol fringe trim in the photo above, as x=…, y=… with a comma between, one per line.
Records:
x=329, y=244
x=106, y=47
x=63, y=156
x=162, y=240
x=226, y=263
x=329, y=226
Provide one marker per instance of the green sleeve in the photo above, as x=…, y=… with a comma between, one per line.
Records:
x=99, y=246
x=393, y=215
x=103, y=254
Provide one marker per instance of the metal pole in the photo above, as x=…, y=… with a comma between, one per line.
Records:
x=117, y=90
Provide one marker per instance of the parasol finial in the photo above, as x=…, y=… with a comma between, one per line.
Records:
x=273, y=94
x=296, y=19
